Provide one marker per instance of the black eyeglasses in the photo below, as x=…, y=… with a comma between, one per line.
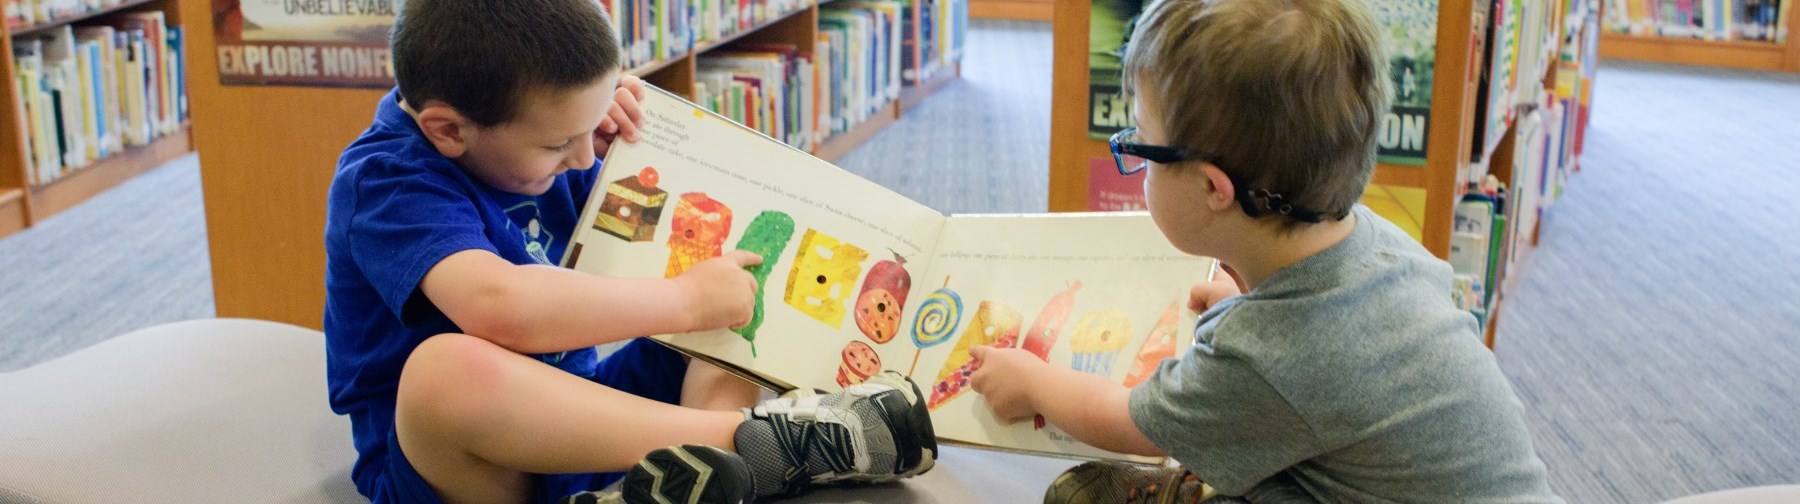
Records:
x=1134, y=156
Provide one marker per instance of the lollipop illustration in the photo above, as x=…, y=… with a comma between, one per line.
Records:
x=936, y=320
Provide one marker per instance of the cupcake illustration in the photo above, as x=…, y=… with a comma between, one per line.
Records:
x=859, y=363
x=1099, y=338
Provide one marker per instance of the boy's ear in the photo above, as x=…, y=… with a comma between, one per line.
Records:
x=447, y=129
x=1222, y=194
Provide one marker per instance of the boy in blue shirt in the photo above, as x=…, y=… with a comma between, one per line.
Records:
x=464, y=357
x=1343, y=373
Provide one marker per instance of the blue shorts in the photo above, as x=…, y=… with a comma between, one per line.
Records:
x=642, y=368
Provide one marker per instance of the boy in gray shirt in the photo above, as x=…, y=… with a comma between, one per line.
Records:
x=1344, y=373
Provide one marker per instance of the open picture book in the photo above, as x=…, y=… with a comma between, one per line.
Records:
x=856, y=278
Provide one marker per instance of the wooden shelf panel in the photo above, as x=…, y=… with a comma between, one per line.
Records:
x=1763, y=45
x=1493, y=320
x=1023, y=10
x=72, y=189
x=837, y=146
x=1401, y=175
x=38, y=28
x=12, y=211
x=1729, y=54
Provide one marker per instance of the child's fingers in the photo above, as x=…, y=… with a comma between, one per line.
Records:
x=979, y=351
x=1205, y=294
x=622, y=122
x=744, y=258
x=627, y=100
x=634, y=84
x=607, y=125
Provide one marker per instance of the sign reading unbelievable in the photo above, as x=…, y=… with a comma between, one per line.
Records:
x=304, y=42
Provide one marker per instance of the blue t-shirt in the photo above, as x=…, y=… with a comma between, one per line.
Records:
x=396, y=208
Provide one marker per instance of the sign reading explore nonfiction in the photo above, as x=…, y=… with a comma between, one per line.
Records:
x=337, y=43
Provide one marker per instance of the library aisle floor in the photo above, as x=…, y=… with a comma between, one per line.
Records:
x=1651, y=335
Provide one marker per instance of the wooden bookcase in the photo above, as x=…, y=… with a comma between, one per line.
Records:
x=1024, y=10
x=268, y=154
x=23, y=203
x=1741, y=54
x=1450, y=138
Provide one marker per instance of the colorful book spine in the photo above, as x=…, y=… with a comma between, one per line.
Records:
x=90, y=92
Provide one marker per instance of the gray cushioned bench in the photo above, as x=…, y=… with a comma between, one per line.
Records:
x=234, y=410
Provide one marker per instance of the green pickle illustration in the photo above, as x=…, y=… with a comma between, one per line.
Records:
x=768, y=237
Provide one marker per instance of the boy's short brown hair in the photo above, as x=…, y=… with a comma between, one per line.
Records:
x=482, y=57
x=1287, y=95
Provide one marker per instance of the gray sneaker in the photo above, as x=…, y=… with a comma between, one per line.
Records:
x=687, y=474
x=1108, y=482
x=873, y=432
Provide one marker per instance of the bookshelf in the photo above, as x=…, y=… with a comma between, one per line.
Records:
x=23, y=202
x=1024, y=10
x=1782, y=56
x=274, y=213
x=1445, y=178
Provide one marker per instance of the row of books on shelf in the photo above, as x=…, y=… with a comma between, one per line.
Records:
x=1496, y=215
x=937, y=43
x=25, y=13
x=928, y=34
x=856, y=68
x=652, y=30
x=1522, y=42
x=1753, y=20
x=90, y=91
x=1519, y=43
x=1545, y=119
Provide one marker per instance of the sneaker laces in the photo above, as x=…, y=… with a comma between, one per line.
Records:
x=797, y=440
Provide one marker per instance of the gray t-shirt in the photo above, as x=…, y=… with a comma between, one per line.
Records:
x=1347, y=377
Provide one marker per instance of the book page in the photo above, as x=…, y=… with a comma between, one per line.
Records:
x=697, y=185
x=1099, y=293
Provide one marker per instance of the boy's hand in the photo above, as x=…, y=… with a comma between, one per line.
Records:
x=1004, y=378
x=1209, y=293
x=719, y=292
x=625, y=117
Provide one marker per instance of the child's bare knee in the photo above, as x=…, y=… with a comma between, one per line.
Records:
x=449, y=376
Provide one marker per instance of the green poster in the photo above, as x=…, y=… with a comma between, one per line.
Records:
x=1109, y=27
x=1409, y=28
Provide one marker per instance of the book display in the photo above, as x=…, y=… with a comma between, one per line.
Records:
x=98, y=94
x=1746, y=34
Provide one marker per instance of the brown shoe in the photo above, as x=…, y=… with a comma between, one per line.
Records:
x=1108, y=482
